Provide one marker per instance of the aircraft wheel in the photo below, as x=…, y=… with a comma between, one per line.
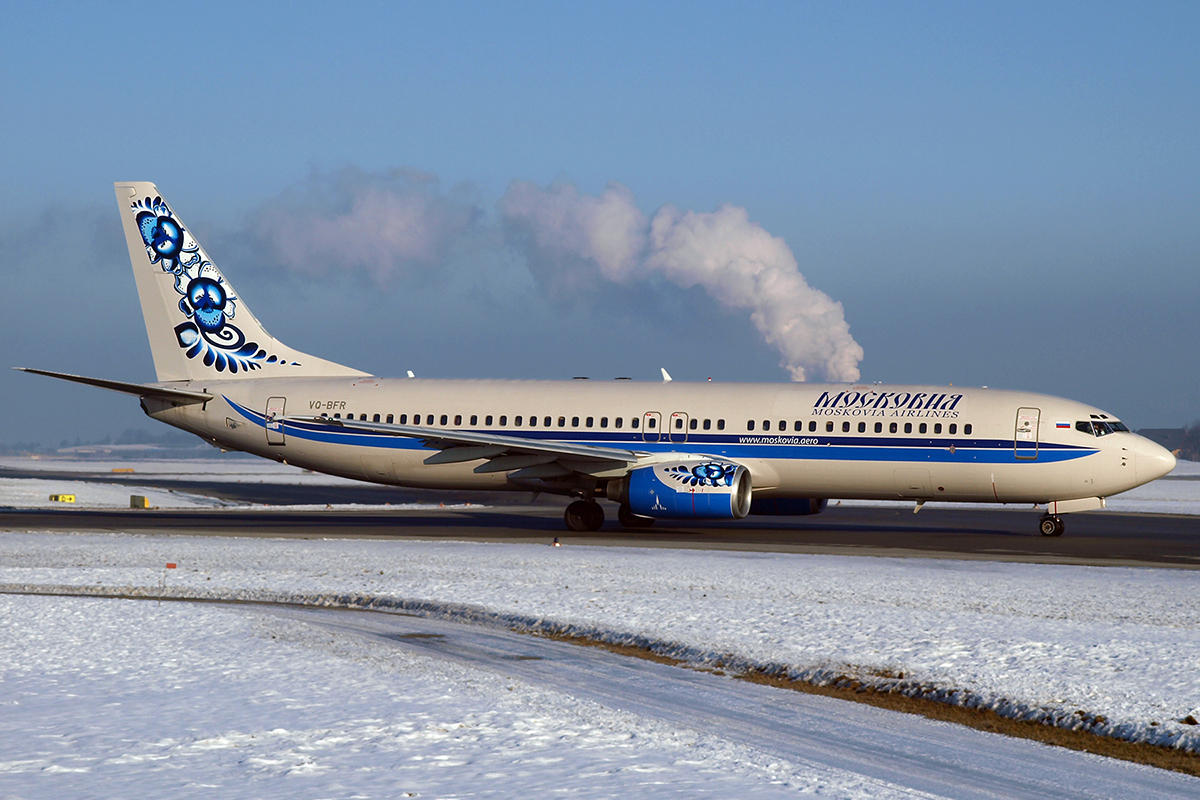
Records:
x=1052, y=526
x=583, y=516
x=629, y=519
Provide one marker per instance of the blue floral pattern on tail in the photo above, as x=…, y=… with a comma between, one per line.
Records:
x=205, y=298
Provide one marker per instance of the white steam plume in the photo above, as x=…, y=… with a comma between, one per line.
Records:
x=567, y=236
x=571, y=238
x=385, y=224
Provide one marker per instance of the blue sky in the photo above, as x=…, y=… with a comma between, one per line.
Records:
x=1003, y=195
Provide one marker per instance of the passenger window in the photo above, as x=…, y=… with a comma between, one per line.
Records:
x=679, y=423
x=908, y=427
x=429, y=419
x=474, y=419
x=389, y=419
x=574, y=422
x=532, y=421
x=604, y=422
x=720, y=424
x=967, y=429
x=404, y=419
x=458, y=419
x=892, y=428
x=546, y=422
x=590, y=421
x=375, y=418
x=937, y=427
x=504, y=420
x=846, y=426
x=766, y=424
x=797, y=425
x=879, y=427
x=783, y=424
x=862, y=427
x=619, y=421
x=692, y=425
x=923, y=428
x=829, y=426
x=749, y=424
x=812, y=426
x=517, y=420
x=488, y=420
x=337, y=416
x=953, y=429
x=562, y=422
x=445, y=419
x=708, y=424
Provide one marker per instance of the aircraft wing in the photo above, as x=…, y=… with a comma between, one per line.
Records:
x=526, y=457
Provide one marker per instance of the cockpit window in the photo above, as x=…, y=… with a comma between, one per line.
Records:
x=1101, y=428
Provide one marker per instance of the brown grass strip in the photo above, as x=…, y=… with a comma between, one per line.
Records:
x=978, y=718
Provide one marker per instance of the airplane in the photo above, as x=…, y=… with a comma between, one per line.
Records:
x=667, y=450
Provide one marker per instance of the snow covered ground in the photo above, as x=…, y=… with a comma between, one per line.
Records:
x=125, y=695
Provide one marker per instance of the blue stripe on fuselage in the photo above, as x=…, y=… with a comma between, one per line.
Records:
x=814, y=448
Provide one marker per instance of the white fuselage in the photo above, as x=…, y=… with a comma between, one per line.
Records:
x=797, y=440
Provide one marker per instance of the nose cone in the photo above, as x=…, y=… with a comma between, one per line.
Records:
x=1151, y=460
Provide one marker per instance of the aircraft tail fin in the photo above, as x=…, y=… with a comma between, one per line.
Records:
x=198, y=326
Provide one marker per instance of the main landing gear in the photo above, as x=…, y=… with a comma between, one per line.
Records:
x=584, y=515
x=629, y=519
x=1051, y=525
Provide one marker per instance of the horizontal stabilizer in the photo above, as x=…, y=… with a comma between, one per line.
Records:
x=139, y=389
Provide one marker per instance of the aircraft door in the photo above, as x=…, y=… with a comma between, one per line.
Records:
x=275, y=406
x=651, y=422
x=1025, y=438
x=678, y=427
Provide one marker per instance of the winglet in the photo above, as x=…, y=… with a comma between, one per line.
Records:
x=666, y=375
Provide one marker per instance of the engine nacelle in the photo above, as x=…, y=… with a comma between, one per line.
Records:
x=700, y=489
x=788, y=506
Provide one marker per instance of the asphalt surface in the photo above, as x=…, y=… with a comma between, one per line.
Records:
x=1102, y=537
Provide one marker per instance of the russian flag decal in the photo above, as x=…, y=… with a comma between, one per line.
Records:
x=1062, y=424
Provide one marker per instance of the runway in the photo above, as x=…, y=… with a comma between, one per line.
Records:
x=1095, y=538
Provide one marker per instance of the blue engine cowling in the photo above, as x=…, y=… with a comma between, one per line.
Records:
x=700, y=489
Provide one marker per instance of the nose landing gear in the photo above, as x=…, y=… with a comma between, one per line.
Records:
x=1051, y=525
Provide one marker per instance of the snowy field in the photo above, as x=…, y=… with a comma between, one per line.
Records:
x=124, y=695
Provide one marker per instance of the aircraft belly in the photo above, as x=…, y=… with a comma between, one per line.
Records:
x=896, y=480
